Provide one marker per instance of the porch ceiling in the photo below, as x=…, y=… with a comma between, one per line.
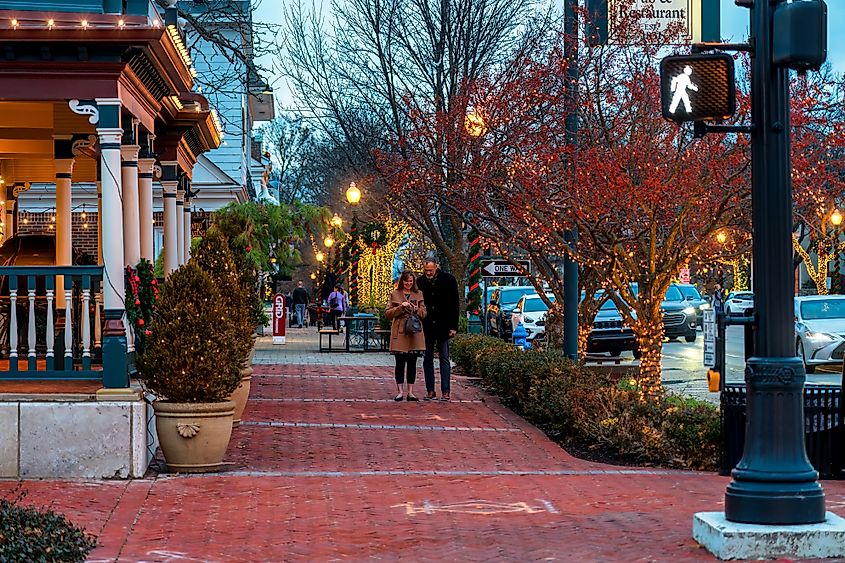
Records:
x=27, y=130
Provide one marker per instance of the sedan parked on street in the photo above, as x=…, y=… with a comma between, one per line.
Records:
x=502, y=301
x=820, y=330
x=739, y=303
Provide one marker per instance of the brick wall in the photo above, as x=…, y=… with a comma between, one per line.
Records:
x=84, y=230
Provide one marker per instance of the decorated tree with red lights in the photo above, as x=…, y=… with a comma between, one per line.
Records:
x=644, y=196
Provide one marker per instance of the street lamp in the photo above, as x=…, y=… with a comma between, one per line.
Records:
x=353, y=196
x=475, y=124
x=722, y=237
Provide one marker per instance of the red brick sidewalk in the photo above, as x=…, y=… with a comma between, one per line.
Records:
x=326, y=466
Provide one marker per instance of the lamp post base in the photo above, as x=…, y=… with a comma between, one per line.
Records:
x=730, y=540
x=774, y=482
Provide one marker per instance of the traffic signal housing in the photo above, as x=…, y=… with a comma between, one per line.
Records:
x=697, y=87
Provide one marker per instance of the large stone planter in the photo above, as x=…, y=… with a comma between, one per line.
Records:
x=241, y=395
x=194, y=436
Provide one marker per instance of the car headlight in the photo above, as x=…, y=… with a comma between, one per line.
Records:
x=819, y=336
x=704, y=306
x=689, y=311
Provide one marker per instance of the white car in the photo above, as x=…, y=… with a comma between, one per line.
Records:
x=739, y=303
x=531, y=311
x=820, y=330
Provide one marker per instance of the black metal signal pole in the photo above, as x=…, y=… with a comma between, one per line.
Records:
x=774, y=482
x=571, y=292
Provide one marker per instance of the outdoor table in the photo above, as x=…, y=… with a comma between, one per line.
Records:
x=360, y=332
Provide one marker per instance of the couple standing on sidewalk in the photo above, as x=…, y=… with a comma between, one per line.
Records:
x=424, y=314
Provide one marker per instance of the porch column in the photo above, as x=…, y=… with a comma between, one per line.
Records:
x=64, y=202
x=132, y=229
x=180, y=222
x=99, y=214
x=169, y=181
x=115, y=372
x=187, y=221
x=145, y=200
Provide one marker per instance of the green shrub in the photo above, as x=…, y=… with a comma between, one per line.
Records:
x=593, y=409
x=215, y=258
x=464, y=350
x=693, y=431
x=31, y=534
x=190, y=354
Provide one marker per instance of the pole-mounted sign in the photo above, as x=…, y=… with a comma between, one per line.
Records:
x=497, y=268
x=697, y=87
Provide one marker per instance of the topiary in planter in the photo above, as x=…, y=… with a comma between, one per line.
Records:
x=214, y=257
x=191, y=354
x=31, y=534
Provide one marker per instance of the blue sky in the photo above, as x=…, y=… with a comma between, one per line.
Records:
x=734, y=21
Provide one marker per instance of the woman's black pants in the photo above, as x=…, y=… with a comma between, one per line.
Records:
x=406, y=362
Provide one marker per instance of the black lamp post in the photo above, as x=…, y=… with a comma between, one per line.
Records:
x=774, y=482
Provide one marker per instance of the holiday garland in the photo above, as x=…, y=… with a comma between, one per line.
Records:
x=141, y=296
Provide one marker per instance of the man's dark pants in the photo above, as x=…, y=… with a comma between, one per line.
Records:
x=442, y=346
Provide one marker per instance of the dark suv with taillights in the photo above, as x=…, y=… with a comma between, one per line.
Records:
x=610, y=334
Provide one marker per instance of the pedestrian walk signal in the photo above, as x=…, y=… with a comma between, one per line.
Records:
x=697, y=87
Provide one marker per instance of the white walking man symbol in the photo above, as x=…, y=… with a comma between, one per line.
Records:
x=679, y=86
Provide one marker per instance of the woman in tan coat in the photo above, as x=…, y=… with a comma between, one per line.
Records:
x=406, y=344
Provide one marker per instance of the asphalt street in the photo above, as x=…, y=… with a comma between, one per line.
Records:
x=684, y=371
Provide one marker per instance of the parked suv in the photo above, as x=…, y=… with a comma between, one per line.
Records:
x=679, y=318
x=502, y=302
x=694, y=298
x=531, y=311
x=610, y=334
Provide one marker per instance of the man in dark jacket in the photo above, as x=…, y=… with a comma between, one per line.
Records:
x=440, y=290
x=300, y=300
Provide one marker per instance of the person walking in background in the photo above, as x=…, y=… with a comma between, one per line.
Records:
x=337, y=305
x=300, y=299
x=406, y=309
x=440, y=291
x=719, y=299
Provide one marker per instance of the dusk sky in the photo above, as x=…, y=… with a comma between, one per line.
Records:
x=734, y=28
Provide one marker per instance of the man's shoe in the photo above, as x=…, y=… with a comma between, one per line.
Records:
x=445, y=397
x=430, y=396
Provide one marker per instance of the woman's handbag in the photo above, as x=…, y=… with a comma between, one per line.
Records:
x=413, y=324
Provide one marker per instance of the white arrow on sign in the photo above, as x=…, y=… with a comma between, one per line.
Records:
x=503, y=269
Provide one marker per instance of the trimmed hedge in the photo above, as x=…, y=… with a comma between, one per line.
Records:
x=591, y=409
x=31, y=534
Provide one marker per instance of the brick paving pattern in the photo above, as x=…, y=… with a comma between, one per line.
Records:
x=327, y=467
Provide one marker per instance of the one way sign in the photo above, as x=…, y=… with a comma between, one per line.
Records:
x=496, y=268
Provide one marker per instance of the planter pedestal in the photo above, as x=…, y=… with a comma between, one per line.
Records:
x=241, y=395
x=194, y=436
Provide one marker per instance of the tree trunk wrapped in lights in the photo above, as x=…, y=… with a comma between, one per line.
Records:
x=474, y=281
x=649, y=332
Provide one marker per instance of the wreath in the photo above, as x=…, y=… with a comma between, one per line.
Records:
x=374, y=234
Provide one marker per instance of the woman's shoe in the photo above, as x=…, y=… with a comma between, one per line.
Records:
x=398, y=397
x=412, y=398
